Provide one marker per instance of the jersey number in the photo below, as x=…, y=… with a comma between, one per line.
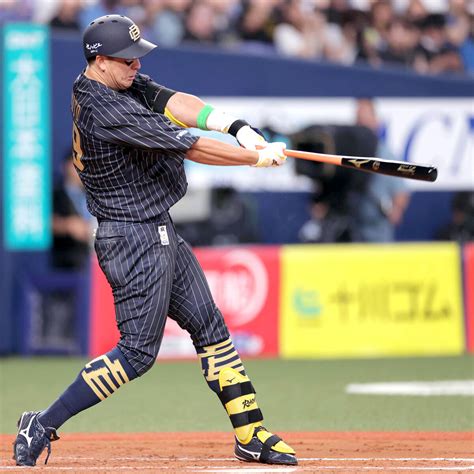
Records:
x=77, y=152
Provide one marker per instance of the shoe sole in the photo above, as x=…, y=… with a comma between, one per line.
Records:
x=280, y=463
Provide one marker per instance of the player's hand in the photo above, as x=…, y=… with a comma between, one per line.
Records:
x=272, y=155
x=250, y=139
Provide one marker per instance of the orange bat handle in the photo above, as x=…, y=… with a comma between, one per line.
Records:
x=320, y=157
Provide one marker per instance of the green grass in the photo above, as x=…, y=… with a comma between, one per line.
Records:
x=293, y=394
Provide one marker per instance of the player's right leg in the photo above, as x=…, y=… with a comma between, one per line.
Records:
x=139, y=269
x=192, y=306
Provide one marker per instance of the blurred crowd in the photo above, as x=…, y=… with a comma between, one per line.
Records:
x=428, y=36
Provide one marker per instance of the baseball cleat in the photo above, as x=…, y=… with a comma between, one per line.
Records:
x=31, y=439
x=265, y=447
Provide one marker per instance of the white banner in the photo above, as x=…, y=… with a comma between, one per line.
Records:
x=429, y=131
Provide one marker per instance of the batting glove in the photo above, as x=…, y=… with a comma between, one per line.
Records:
x=250, y=138
x=272, y=155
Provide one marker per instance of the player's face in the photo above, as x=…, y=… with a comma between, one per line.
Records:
x=121, y=72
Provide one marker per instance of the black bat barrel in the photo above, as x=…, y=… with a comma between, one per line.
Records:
x=401, y=169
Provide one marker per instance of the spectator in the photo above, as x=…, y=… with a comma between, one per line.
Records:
x=460, y=31
x=72, y=223
x=301, y=31
x=325, y=225
x=226, y=15
x=342, y=38
x=402, y=39
x=461, y=226
x=200, y=24
x=168, y=20
x=257, y=22
x=416, y=11
x=374, y=37
x=67, y=16
x=132, y=8
x=377, y=206
x=14, y=10
x=435, y=54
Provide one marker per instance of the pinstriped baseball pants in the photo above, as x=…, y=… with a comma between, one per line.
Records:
x=151, y=278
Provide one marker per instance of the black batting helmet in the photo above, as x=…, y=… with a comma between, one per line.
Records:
x=116, y=36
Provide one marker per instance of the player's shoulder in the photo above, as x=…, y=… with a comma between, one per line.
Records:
x=88, y=88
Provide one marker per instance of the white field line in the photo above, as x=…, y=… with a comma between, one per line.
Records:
x=423, y=389
x=160, y=458
x=333, y=468
x=245, y=469
x=153, y=461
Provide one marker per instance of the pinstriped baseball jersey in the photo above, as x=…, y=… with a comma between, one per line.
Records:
x=130, y=158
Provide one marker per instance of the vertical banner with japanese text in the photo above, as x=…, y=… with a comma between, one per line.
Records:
x=26, y=137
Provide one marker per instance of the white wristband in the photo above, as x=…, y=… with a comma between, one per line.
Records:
x=219, y=121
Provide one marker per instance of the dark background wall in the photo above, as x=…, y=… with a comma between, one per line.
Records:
x=211, y=73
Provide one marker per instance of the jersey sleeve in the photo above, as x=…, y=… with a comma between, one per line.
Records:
x=127, y=122
x=138, y=88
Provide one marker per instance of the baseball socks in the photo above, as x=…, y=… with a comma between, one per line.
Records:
x=225, y=375
x=96, y=381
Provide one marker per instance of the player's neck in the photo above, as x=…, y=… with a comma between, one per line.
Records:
x=95, y=75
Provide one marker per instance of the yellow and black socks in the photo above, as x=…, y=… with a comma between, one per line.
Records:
x=225, y=375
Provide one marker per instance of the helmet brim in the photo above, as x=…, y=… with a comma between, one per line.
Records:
x=136, y=50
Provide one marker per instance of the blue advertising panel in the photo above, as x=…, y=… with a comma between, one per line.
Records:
x=26, y=137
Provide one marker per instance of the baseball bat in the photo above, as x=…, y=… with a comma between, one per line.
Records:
x=401, y=169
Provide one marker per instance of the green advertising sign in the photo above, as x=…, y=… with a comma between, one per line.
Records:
x=26, y=137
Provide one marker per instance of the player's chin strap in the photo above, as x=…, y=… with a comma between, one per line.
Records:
x=238, y=397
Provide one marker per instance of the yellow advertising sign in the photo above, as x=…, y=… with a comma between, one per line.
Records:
x=371, y=300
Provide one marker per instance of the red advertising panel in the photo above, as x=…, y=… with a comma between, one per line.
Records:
x=104, y=334
x=469, y=294
x=245, y=284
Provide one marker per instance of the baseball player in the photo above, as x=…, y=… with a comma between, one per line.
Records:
x=129, y=143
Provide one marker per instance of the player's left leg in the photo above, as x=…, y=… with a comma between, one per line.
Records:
x=193, y=308
x=140, y=271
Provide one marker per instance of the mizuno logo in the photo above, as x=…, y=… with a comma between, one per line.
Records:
x=230, y=380
x=408, y=169
x=358, y=163
x=181, y=134
x=24, y=432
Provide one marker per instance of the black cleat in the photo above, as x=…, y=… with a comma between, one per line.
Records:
x=31, y=439
x=263, y=448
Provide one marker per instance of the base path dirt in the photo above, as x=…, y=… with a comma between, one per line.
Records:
x=349, y=452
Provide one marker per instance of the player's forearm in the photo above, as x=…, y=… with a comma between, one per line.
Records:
x=213, y=152
x=187, y=110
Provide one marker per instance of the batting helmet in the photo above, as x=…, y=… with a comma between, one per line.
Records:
x=116, y=36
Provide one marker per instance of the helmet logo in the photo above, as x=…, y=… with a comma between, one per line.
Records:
x=134, y=32
x=93, y=48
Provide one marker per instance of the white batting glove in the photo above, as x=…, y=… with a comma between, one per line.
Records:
x=250, y=139
x=272, y=155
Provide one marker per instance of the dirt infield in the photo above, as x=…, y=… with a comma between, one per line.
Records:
x=349, y=452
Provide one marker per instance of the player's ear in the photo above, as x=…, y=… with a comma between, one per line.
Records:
x=100, y=61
